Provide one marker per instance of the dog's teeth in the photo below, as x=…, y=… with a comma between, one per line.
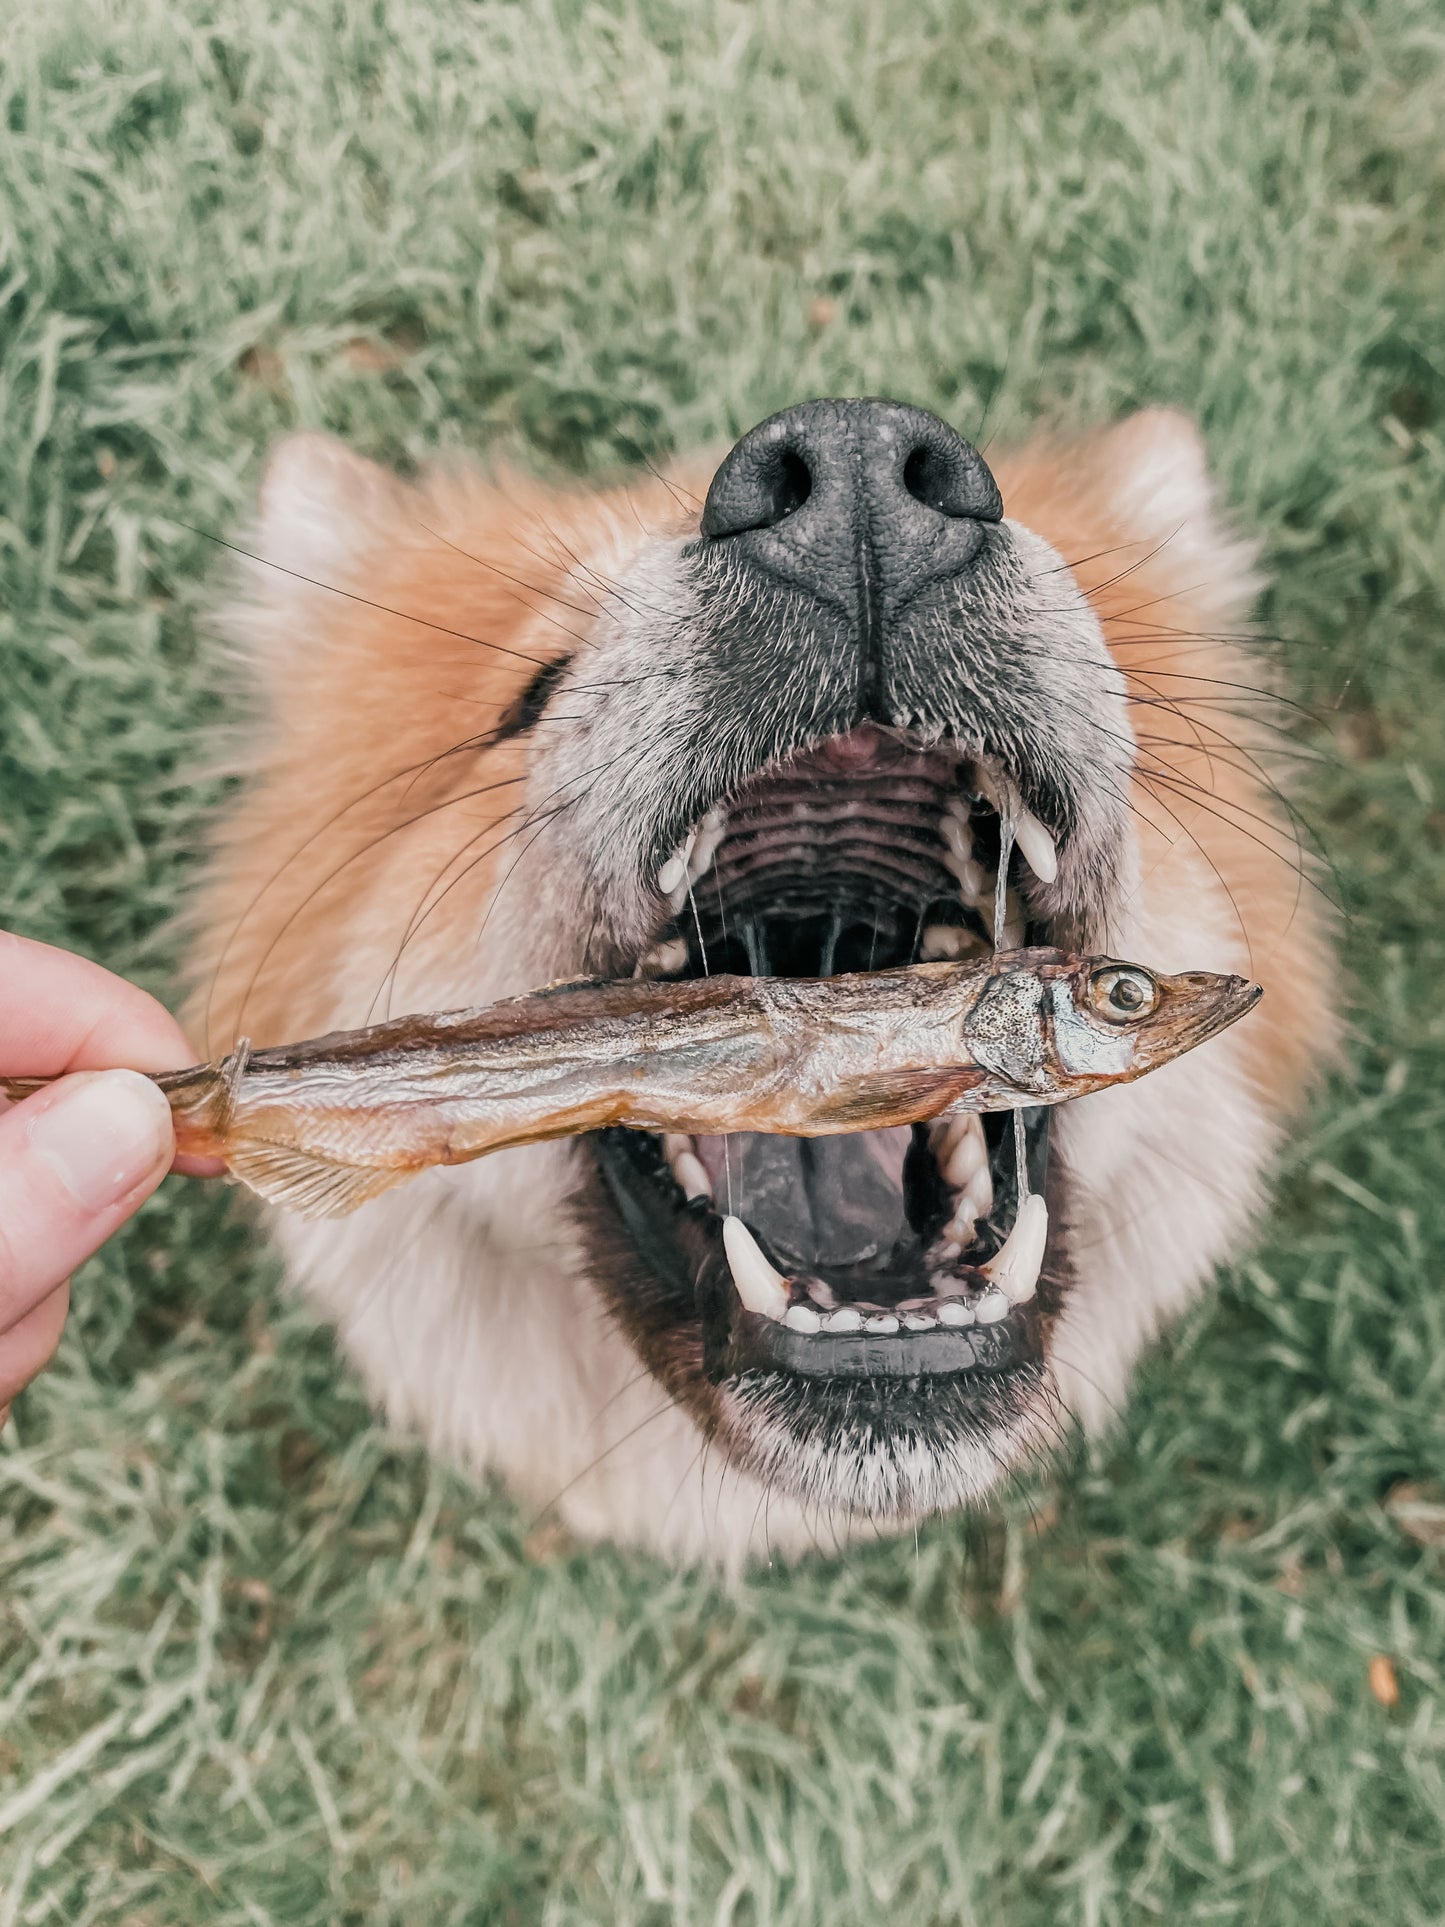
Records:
x=1036, y=846
x=992, y=1307
x=946, y=940
x=710, y=832
x=954, y=1312
x=971, y=882
x=961, y=1148
x=845, y=1319
x=672, y=877
x=1014, y=1268
x=686, y=1166
x=761, y=1288
x=917, y=1321
x=882, y=1321
x=957, y=832
x=664, y=959
x=691, y=1174
x=801, y=1318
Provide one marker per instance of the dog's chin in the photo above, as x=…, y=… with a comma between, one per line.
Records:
x=822, y=1306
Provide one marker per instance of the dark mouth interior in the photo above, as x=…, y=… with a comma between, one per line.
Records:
x=842, y=861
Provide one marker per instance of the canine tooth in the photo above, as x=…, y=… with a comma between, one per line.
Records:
x=954, y=1312
x=991, y=1307
x=915, y=1321
x=845, y=1319
x=760, y=1287
x=801, y=1318
x=1014, y=1268
x=674, y=1143
x=691, y=1174
x=882, y=1321
x=1035, y=844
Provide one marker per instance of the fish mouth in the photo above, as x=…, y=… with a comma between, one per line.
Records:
x=869, y=1256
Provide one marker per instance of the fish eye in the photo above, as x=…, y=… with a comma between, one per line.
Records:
x=1122, y=993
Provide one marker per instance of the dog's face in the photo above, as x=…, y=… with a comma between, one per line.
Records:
x=790, y=729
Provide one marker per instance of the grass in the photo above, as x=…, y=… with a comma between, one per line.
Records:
x=261, y=1662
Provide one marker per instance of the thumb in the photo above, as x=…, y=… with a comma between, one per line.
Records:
x=75, y=1162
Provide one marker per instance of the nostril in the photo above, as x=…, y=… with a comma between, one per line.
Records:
x=841, y=461
x=764, y=481
x=791, y=485
x=940, y=482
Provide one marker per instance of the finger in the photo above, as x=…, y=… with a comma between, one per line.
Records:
x=27, y=1348
x=61, y=1013
x=75, y=1162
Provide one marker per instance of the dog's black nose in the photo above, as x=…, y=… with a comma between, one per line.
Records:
x=864, y=504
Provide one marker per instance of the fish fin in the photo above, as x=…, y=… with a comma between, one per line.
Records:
x=315, y=1187
x=906, y=1097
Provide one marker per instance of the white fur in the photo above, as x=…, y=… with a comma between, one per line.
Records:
x=462, y=1302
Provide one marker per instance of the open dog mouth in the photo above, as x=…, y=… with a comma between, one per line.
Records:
x=895, y=1253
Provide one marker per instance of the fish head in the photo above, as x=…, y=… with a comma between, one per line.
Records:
x=1110, y=1021
x=1054, y=1026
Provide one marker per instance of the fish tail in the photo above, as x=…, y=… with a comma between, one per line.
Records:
x=199, y=1110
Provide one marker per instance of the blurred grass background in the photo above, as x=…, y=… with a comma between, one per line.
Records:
x=262, y=1663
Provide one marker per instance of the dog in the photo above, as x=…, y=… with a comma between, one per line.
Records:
x=753, y=715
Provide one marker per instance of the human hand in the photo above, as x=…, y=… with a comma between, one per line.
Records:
x=78, y=1158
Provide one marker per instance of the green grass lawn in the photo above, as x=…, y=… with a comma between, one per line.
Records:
x=259, y=1661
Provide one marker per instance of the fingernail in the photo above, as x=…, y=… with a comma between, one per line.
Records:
x=103, y=1135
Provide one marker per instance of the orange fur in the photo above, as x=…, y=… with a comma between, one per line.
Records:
x=371, y=785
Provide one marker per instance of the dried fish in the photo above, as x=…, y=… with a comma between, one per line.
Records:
x=325, y=1125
